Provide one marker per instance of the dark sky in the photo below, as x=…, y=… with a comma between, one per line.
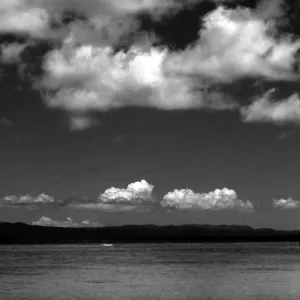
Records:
x=75, y=151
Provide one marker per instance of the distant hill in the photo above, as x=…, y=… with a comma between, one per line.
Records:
x=20, y=233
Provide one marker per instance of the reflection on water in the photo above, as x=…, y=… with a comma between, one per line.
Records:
x=156, y=271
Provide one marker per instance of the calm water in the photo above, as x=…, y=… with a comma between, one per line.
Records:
x=170, y=271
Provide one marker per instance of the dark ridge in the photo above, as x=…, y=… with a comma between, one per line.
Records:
x=20, y=233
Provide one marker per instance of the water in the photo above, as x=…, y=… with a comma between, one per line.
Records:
x=156, y=271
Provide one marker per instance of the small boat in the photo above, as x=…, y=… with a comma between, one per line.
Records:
x=106, y=245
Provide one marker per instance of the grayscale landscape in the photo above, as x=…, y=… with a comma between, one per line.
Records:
x=149, y=149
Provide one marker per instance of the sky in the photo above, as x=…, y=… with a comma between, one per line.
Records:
x=150, y=112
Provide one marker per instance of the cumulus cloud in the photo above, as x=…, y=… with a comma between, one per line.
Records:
x=92, y=21
x=68, y=222
x=85, y=73
x=238, y=43
x=264, y=109
x=286, y=203
x=17, y=16
x=270, y=9
x=140, y=191
x=35, y=17
x=220, y=199
x=136, y=197
x=89, y=78
x=83, y=76
x=28, y=200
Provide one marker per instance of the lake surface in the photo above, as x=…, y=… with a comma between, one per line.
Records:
x=156, y=271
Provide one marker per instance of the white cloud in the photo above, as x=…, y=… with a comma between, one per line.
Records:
x=104, y=20
x=186, y=199
x=286, y=203
x=34, y=17
x=237, y=43
x=110, y=207
x=18, y=200
x=19, y=17
x=85, y=74
x=264, y=109
x=104, y=7
x=140, y=190
x=28, y=200
x=91, y=78
x=68, y=222
x=43, y=198
x=270, y=9
x=156, y=7
x=136, y=197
